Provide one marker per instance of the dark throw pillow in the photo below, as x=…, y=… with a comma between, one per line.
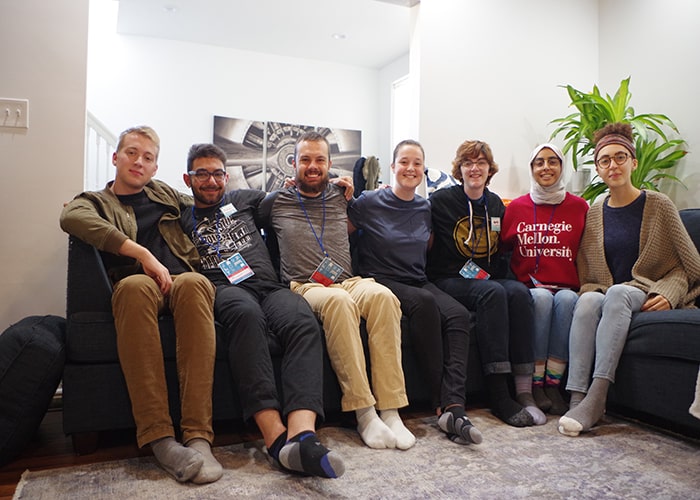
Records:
x=31, y=365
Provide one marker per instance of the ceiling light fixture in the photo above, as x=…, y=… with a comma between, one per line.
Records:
x=338, y=36
x=170, y=9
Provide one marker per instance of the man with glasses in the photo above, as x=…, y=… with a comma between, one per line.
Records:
x=259, y=315
x=135, y=221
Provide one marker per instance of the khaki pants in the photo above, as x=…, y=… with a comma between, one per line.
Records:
x=339, y=308
x=136, y=304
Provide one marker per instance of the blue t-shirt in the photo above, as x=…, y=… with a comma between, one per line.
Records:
x=393, y=235
x=621, y=228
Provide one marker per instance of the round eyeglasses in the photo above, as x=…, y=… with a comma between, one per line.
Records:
x=605, y=162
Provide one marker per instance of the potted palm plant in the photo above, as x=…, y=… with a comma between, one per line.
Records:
x=657, y=153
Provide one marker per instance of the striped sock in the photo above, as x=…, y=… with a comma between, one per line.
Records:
x=555, y=370
x=538, y=376
x=542, y=401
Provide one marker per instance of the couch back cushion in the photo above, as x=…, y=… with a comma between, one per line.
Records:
x=691, y=219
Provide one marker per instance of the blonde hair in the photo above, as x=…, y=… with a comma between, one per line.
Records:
x=142, y=130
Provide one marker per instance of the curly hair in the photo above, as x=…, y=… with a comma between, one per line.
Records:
x=614, y=133
x=623, y=129
x=470, y=150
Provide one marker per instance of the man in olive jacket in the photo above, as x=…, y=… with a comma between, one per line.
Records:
x=135, y=221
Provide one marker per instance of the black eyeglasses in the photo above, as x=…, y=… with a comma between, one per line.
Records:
x=204, y=175
x=605, y=161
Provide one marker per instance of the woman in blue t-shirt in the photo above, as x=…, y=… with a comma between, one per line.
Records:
x=394, y=233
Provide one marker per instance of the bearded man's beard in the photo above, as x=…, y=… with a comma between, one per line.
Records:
x=316, y=188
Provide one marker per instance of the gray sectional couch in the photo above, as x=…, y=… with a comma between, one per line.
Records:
x=655, y=380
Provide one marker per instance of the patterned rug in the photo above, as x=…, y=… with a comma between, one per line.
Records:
x=617, y=460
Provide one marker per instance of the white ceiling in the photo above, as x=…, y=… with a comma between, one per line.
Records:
x=376, y=31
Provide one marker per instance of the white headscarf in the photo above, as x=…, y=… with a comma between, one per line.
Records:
x=550, y=195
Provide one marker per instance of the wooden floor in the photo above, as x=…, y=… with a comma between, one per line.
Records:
x=50, y=449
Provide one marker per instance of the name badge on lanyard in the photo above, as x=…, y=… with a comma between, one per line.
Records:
x=327, y=272
x=236, y=268
x=472, y=271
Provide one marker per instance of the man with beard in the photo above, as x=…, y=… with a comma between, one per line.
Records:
x=311, y=227
x=259, y=314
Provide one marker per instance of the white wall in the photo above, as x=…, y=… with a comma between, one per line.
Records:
x=387, y=76
x=44, y=47
x=490, y=70
x=177, y=88
x=657, y=43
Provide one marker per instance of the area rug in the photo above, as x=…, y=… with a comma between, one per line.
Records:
x=619, y=459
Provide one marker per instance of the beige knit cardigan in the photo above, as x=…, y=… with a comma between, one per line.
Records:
x=668, y=262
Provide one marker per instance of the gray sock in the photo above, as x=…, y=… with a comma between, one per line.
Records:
x=541, y=399
x=558, y=406
x=587, y=413
x=180, y=462
x=211, y=468
x=455, y=423
x=576, y=398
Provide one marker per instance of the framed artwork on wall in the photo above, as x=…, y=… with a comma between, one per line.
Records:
x=260, y=153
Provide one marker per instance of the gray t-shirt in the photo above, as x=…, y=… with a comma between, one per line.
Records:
x=306, y=226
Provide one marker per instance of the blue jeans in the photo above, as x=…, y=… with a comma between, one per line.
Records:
x=599, y=332
x=504, y=322
x=553, y=314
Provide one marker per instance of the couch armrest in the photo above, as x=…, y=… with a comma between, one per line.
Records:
x=89, y=287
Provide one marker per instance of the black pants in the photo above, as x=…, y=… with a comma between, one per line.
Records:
x=261, y=317
x=439, y=330
x=505, y=324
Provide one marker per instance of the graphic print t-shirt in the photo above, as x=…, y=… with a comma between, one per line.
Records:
x=236, y=233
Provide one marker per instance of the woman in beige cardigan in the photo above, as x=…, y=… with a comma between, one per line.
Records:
x=635, y=255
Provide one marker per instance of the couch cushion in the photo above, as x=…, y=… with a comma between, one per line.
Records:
x=665, y=334
x=691, y=220
x=31, y=364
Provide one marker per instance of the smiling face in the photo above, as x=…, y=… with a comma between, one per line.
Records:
x=408, y=169
x=616, y=175
x=546, y=168
x=312, y=164
x=207, y=192
x=136, y=162
x=475, y=174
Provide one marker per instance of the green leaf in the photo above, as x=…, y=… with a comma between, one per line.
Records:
x=594, y=111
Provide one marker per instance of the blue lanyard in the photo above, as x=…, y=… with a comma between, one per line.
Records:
x=216, y=248
x=551, y=218
x=323, y=222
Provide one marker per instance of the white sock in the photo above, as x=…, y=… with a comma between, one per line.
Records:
x=528, y=401
x=404, y=438
x=211, y=468
x=373, y=431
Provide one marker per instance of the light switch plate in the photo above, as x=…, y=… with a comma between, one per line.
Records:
x=14, y=113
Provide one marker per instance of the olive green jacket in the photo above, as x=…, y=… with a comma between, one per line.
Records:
x=100, y=219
